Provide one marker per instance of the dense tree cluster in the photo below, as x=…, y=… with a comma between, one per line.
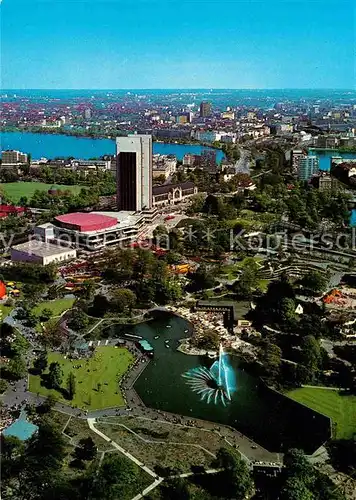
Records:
x=301, y=481
x=303, y=205
x=140, y=272
x=36, y=469
x=13, y=347
x=29, y=273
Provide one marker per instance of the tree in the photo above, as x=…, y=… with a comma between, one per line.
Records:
x=123, y=300
x=52, y=334
x=32, y=320
x=114, y=475
x=6, y=330
x=343, y=455
x=297, y=465
x=88, y=290
x=176, y=489
x=196, y=203
x=55, y=375
x=43, y=458
x=33, y=291
x=287, y=311
x=247, y=283
x=314, y=281
x=48, y=404
x=295, y=489
x=3, y=386
x=311, y=353
x=11, y=452
x=86, y=449
x=202, y=278
x=45, y=314
x=41, y=362
x=160, y=235
x=313, y=324
x=71, y=383
x=210, y=340
x=16, y=368
x=54, y=291
x=19, y=346
x=101, y=305
x=271, y=358
x=79, y=321
x=236, y=476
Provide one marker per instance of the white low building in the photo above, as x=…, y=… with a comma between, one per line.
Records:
x=41, y=252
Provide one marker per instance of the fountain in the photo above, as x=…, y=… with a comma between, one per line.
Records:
x=215, y=384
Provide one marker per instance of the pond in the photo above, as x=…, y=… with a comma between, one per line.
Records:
x=273, y=420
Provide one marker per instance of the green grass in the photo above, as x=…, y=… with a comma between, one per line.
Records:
x=232, y=271
x=106, y=366
x=5, y=311
x=251, y=220
x=57, y=306
x=341, y=409
x=14, y=190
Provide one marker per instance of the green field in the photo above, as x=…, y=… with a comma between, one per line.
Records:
x=341, y=409
x=5, y=311
x=14, y=190
x=106, y=366
x=56, y=306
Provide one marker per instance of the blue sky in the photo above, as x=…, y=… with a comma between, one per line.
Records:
x=177, y=44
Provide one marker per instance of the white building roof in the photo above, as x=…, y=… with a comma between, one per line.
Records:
x=41, y=248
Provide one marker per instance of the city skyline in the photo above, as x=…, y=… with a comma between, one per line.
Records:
x=177, y=45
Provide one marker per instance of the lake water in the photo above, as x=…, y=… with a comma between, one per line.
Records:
x=326, y=155
x=275, y=421
x=57, y=145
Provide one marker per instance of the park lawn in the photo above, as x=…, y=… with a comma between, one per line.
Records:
x=233, y=271
x=14, y=190
x=4, y=311
x=57, y=306
x=250, y=220
x=340, y=408
x=106, y=366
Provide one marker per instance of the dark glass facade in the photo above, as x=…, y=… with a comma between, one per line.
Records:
x=126, y=181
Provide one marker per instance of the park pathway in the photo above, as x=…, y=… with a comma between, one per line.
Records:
x=91, y=423
x=323, y=387
x=158, y=479
x=148, y=489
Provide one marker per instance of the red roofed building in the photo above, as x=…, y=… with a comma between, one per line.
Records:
x=85, y=222
x=92, y=231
